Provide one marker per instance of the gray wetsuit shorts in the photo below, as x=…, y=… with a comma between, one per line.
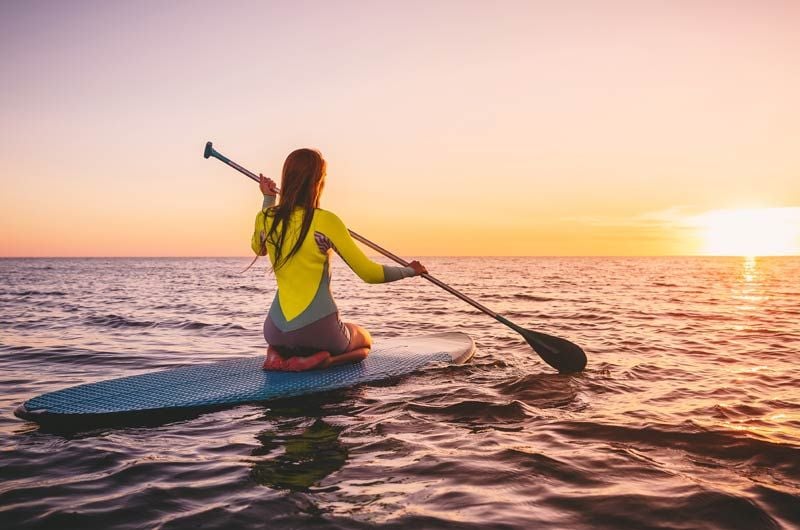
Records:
x=326, y=334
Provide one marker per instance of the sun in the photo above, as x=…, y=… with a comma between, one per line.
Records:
x=751, y=232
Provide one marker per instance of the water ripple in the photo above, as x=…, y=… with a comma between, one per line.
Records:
x=688, y=415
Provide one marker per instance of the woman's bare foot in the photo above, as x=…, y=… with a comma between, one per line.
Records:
x=276, y=362
x=352, y=356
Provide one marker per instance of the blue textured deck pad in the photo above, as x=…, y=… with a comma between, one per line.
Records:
x=227, y=382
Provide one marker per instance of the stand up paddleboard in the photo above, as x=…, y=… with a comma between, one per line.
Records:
x=240, y=380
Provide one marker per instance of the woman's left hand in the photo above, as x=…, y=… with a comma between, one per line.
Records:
x=267, y=185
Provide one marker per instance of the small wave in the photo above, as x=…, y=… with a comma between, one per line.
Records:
x=530, y=315
x=716, y=444
x=478, y=411
x=71, y=355
x=540, y=390
x=201, y=325
x=173, y=306
x=648, y=372
x=246, y=288
x=117, y=321
x=33, y=293
x=730, y=412
x=538, y=464
x=533, y=298
x=694, y=316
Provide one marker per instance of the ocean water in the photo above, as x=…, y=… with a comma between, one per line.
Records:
x=687, y=416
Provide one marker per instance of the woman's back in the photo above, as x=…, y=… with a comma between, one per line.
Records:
x=301, y=278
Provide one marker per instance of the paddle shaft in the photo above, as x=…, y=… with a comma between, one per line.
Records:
x=216, y=154
x=561, y=354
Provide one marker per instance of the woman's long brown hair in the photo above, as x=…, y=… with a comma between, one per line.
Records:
x=301, y=185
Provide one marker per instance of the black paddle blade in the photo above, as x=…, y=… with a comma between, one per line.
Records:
x=561, y=354
x=208, y=151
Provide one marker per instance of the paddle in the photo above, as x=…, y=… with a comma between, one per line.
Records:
x=561, y=354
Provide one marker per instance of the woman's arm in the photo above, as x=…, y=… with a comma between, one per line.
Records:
x=258, y=241
x=366, y=269
x=269, y=189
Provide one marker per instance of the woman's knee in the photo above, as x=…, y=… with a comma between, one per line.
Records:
x=359, y=337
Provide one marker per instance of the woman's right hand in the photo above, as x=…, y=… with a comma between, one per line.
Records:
x=418, y=267
x=267, y=185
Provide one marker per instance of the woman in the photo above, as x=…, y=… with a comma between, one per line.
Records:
x=303, y=328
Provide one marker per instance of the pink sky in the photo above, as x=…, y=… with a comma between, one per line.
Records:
x=508, y=128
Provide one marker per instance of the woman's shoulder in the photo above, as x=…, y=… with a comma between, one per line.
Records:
x=327, y=216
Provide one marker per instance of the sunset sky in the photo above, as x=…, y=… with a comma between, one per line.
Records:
x=450, y=128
